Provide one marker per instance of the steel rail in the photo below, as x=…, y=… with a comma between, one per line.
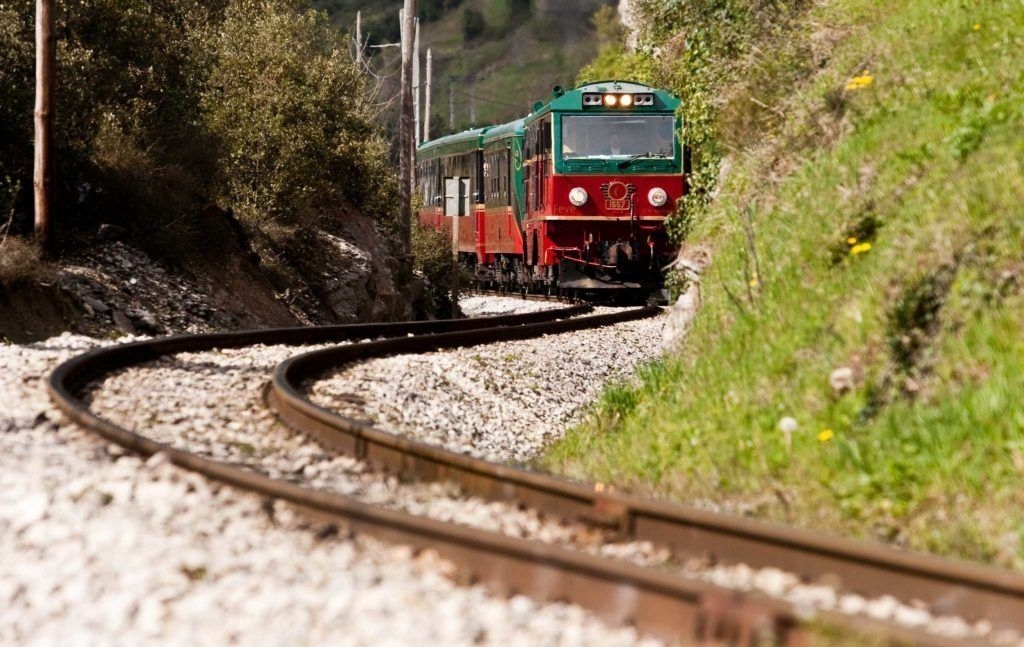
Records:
x=655, y=602
x=948, y=587
x=659, y=603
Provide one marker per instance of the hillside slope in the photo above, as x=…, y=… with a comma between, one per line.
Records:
x=521, y=51
x=856, y=367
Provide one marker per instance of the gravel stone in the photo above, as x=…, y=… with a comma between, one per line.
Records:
x=107, y=548
x=503, y=402
x=103, y=546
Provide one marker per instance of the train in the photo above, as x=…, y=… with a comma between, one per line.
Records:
x=571, y=199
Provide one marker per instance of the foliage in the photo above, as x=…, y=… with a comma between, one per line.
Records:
x=473, y=24
x=431, y=10
x=163, y=107
x=887, y=188
x=19, y=258
x=298, y=143
x=433, y=258
x=124, y=65
x=698, y=48
x=613, y=60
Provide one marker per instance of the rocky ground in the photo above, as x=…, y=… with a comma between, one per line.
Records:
x=503, y=402
x=103, y=547
x=113, y=287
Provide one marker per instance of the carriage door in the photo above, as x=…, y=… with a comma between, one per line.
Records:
x=456, y=204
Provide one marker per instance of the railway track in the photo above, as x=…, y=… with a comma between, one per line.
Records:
x=655, y=600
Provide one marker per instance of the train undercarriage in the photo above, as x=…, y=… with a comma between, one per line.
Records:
x=613, y=279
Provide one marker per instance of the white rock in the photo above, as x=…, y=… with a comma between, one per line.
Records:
x=841, y=380
x=882, y=608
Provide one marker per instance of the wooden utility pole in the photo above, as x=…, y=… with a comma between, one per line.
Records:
x=426, y=99
x=406, y=138
x=359, y=40
x=416, y=85
x=451, y=104
x=46, y=63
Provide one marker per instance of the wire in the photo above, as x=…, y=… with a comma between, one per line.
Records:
x=487, y=99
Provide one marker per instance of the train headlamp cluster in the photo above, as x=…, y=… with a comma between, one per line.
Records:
x=617, y=99
x=657, y=196
x=578, y=196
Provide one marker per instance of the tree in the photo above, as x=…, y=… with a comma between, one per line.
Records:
x=473, y=24
x=297, y=137
x=46, y=63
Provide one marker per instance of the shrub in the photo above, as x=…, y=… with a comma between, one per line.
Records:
x=124, y=66
x=720, y=36
x=432, y=252
x=473, y=24
x=296, y=134
x=19, y=259
x=166, y=106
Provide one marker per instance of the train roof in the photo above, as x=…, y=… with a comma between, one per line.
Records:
x=470, y=140
x=572, y=100
x=467, y=140
x=568, y=101
x=511, y=129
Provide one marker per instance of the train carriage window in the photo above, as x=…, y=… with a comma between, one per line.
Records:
x=428, y=183
x=496, y=174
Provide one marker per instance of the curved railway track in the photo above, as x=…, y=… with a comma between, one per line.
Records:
x=657, y=601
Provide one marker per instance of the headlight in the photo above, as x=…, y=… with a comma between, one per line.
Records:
x=626, y=100
x=578, y=196
x=657, y=196
x=610, y=100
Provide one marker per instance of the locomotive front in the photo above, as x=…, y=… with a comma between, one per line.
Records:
x=603, y=168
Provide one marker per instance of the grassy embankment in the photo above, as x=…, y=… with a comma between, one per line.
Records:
x=888, y=217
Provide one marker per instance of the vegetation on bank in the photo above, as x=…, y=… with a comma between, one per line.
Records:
x=166, y=108
x=863, y=176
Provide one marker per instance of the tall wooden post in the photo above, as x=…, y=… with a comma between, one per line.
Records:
x=406, y=138
x=451, y=104
x=46, y=63
x=416, y=89
x=426, y=98
x=359, y=40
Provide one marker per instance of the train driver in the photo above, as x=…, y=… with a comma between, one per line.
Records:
x=614, y=144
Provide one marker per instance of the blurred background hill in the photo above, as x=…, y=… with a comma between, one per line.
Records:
x=492, y=58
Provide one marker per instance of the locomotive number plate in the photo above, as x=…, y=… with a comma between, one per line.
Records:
x=616, y=205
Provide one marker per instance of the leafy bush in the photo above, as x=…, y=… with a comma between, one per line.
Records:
x=433, y=257
x=697, y=49
x=19, y=258
x=127, y=69
x=164, y=107
x=473, y=24
x=296, y=133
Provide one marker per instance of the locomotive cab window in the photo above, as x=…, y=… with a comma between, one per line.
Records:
x=613, y=136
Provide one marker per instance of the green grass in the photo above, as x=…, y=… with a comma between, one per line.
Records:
x=927, y=165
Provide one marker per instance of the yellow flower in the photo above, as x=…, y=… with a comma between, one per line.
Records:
x=860, y=249
x=851, y=241
x=826, y=435
x=977, y=26
x=753, y=283
x=858, y=82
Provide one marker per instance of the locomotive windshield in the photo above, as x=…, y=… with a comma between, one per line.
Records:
x=617, y=136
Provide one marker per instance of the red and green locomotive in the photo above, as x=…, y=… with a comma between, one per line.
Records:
x=573, y=197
